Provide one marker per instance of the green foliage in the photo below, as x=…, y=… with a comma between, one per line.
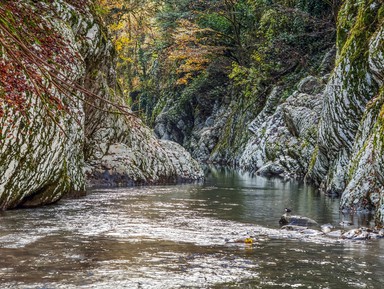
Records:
x=215, y=21
x=198, y=54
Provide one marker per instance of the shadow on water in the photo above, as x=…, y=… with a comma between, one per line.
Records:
x=176, y=237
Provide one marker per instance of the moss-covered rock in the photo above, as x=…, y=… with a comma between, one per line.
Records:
x=43, y=151
x=349, y=159
x=284, y=135
x=350, y=88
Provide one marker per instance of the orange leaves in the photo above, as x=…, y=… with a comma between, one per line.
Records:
x=191, y=52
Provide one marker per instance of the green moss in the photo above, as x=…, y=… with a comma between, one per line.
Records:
x=379, y=137
x=354, y=32
x=313, y=159
x=235, y=133
x=380, y=14
x=304, y=144
x=355, y=162
x=273, y=151
x=346, y=17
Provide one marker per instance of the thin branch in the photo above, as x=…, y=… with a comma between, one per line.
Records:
x=64, y=80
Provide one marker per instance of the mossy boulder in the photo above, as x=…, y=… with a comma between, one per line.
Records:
x=284, y=135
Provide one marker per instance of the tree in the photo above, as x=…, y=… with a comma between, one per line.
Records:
x=190, y=53
x=131, y=25
x=165, y=48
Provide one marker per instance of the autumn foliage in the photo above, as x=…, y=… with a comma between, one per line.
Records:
x=34, y=57
x=191, y=50
x=39, y=65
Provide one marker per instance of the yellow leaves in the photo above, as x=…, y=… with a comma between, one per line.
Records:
x=190, y=53
x=132, y=26
x=121, y=42
x=127, y=59
x=256, y=56
x=117, y=26
x=109, y=4
x=238, y=74
x=184, y=80
x=248, y=240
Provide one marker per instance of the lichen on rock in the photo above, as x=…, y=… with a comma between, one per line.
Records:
x=284, y=135
x=43, y=150
x=348, y=162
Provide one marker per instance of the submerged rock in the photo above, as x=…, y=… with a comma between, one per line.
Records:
x=327, y=228
x=363, y=234
x=335, y=234
x=293, y=228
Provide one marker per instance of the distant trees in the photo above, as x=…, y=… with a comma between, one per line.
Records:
x=165, y=45
x=131, y=25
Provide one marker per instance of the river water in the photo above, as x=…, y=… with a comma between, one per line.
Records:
x=185, y=236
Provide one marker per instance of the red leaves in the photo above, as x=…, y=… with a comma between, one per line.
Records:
x=26, y=37
x=13, y=85
x=36, y=63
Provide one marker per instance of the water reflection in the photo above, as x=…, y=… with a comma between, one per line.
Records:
x=175, y=237
x=263, y=200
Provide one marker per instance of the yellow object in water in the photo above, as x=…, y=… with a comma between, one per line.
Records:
x=248, y=241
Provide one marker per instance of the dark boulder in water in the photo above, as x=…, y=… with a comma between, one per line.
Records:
x=286, y=219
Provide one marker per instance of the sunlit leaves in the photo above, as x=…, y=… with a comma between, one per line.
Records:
x=190, y=51
x=131, y=25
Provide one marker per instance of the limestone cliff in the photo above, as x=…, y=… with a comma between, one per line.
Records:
x=41, y=155
x=43, y=150
x=276, y=43
x=284, y=133
x=333, y=136
x=347, y=160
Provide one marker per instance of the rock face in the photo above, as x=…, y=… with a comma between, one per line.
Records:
x=335, y=136
x=207, y=135
x=129, y=154
x=42, y=159
x=39, y=161
x=284, y=135
x=213, y=134
x=349, y=152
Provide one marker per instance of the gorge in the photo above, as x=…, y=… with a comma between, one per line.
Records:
x=168, y=136
x=301, y=97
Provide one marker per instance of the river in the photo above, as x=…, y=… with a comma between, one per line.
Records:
x=185, y=236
